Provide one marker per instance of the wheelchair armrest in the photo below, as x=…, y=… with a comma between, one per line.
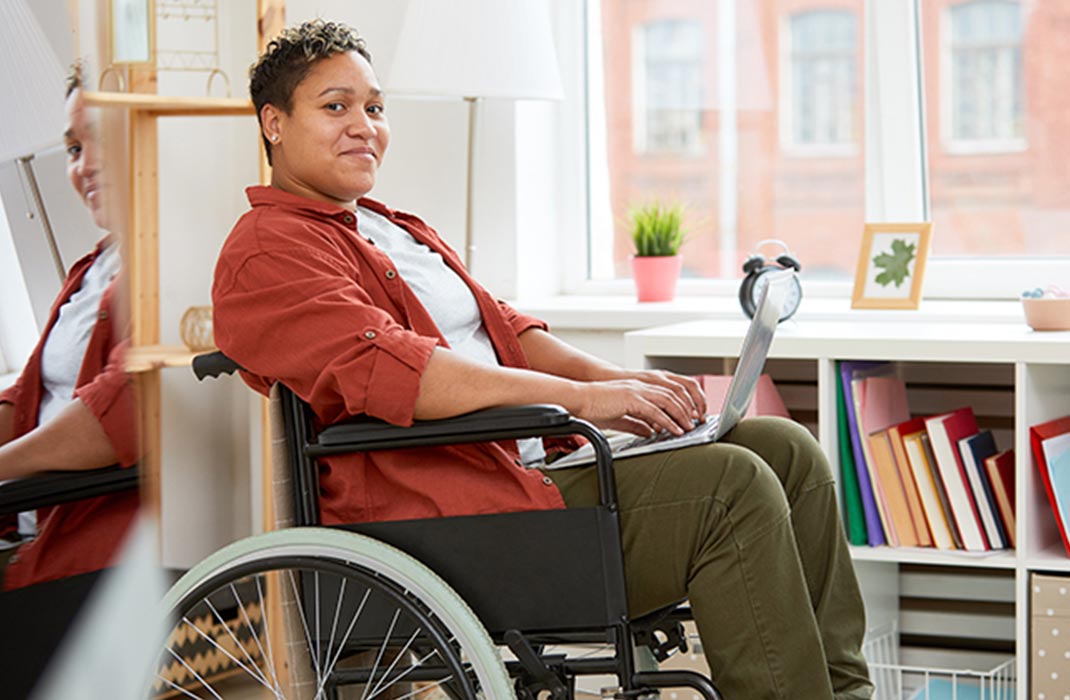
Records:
x=499, y=423
x=54, y=488
x=365, y=434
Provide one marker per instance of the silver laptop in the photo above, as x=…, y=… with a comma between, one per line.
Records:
x=740, y=392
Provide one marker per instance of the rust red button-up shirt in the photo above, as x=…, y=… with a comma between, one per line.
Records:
x=300, y=297
x=84, y=535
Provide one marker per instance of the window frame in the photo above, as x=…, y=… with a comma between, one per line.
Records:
x=786, y=99
x=896, y=169
x=640, y=81
x=18, y=330
x=949, y=142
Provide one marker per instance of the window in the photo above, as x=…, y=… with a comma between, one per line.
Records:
x=820, y=99
x=693, y=111
x=999, y=186
x=668, y=87
x=985, y=102
x=17, y=328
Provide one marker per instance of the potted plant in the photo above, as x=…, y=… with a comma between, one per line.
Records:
x=656, y=233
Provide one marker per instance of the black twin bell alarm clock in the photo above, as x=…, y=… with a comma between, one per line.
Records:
x=757, y=269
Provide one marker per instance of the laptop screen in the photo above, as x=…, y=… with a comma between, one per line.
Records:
x=754, y=350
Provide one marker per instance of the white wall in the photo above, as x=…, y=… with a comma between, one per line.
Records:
x=204, y=166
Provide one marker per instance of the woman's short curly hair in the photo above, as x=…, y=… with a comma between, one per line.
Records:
x=290, y=56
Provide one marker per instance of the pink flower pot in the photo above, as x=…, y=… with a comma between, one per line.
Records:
x=655, y=277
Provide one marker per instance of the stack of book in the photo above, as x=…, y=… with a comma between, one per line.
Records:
x=933, y=481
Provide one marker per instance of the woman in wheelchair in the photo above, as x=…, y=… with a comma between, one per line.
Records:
x=363, y=310
x=72, y=407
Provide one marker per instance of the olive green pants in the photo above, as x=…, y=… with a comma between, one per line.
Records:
x=748, y=529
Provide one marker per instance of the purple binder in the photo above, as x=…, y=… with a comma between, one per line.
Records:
x=874, y=528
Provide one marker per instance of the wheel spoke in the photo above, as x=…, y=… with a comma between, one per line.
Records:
x=304, y=624
x=434, y=686
x=219, y=618
x=194, y=673
x=341, y=646
x=179, y=688
x=269, y=659
x=255, y=676
x=397, y=657
x=382, y=649
x=407, y=636
x=334, y=624
x=406, y=672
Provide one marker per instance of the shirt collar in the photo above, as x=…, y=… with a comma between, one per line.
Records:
x=264, y=195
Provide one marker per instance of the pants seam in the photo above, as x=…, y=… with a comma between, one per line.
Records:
x=775, y=671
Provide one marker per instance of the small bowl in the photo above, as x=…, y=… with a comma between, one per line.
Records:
x=1047, y=314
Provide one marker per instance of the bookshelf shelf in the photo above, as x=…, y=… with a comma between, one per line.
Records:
x=1011, y=376
x=147, y=358
x=920, y=555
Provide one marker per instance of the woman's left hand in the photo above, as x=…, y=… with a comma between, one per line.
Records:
x=686, y=388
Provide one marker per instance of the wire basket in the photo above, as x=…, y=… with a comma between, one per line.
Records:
x=896, y=681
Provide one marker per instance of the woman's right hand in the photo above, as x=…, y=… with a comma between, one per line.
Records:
x=633, y=406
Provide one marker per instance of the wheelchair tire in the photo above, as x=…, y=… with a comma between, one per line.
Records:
x=396, y=629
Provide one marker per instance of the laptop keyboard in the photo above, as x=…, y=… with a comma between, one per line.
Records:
x=710, y=422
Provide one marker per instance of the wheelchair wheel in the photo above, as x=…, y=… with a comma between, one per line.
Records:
x=311, y=613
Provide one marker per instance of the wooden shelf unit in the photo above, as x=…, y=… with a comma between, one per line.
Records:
x=1019, y=376
x=146, y=356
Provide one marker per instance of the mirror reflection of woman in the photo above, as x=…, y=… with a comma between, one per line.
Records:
x=72, y=406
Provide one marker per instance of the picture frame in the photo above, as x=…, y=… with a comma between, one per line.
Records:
x=891, y=266
x=131, y=32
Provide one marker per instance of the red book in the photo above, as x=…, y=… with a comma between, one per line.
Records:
x=945, y=431
x=1037, y=435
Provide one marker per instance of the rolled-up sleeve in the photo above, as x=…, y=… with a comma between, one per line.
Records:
x=520, y=322
x=302, y=317
x=110, y=398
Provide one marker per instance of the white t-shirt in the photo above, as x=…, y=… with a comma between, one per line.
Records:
x=64, y=349
x=444, y=294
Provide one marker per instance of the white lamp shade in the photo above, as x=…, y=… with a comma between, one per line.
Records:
x=31, y=84
x=476, y=48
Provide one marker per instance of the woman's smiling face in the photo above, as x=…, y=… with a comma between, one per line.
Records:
x=330, y=145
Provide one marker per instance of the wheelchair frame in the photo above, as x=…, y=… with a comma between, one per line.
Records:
x=579, y=548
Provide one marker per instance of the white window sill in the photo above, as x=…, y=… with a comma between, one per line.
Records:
x=624, y=313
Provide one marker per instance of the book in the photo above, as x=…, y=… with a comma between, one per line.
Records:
x=934, y=502
x=880, y=402
x=975, y=450
x=1000, y=468
x=1050, y=442
x=864, y=460
x=892, y=486
x=906, y=475
x=854, y=518
x=944, y=432
x=874, y=526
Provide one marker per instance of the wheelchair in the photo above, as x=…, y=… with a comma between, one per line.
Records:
x=459, y=608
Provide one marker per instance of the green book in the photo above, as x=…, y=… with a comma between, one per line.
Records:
x=854, y=517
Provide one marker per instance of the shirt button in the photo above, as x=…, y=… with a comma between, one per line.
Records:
x=390, y=274
x=348, y=218
x=369, y=334
x=103, y=315
x=547, y=480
